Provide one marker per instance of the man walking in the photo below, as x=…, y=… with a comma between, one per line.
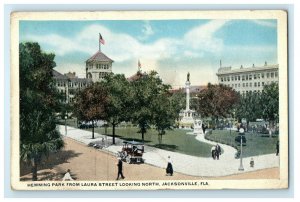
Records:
x=218, y=151
x=213, y=152
x=120, y=168
x=277, y=148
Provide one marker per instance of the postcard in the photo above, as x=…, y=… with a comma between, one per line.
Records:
x=149, y=100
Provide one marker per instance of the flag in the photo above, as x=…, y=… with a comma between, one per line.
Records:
x=101, y=40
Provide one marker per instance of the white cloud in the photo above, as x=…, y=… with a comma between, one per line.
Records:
x=265, y=23
x=126, y=50
x=146, y=30
x=202, y=37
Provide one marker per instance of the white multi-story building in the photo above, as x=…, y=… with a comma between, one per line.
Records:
x=68, y=84
x=98, y=66
x=248, y=79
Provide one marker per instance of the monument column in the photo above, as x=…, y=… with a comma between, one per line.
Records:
x=187, y=87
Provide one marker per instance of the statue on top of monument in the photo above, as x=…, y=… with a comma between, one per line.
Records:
x=188, y=76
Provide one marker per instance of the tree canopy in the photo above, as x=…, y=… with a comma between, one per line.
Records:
x=148, y=92
x=91, y=104
x=216, y=101
x=120, y=96
x=38, y=104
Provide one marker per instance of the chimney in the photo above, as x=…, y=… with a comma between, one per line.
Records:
x=266, y=63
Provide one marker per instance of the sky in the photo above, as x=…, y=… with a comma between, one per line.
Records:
x=171, y=47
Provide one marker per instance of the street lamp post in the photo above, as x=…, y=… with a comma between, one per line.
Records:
x=241, y=131
x=230, y=125
x=66, y=125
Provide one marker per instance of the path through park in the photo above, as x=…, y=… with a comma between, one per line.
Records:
x=182, y=163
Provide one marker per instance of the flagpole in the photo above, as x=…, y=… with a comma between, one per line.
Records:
x=99, y=43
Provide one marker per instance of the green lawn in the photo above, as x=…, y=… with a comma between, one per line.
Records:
x=257, y=144
x=174, y=140
x=177, y=140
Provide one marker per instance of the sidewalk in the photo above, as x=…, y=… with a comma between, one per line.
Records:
x=182, y=163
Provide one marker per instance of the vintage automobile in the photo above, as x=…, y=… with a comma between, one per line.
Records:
x=132, y=152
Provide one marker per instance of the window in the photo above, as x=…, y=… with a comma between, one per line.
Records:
x=246, y=77
x=228, y=78
x=221, y=79
x=276, y=74
x=254, y=84
x=258, y=84
x=250, y=84
x=239, y=78
x=235, y=78
x=235, y=85
x=272, y=75
x=262, y=75
x=239, y=85
x=246, y=84
x=254, y=77
x=243, y=84
x=268, y=75
x=258, y=76
x=250, y=77
x=243, y=78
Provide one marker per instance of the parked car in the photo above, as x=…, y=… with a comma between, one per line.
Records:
x=238, y=139
x=85, y=125
x=132, y=152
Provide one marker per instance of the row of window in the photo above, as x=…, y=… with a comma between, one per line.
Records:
x=102, y=75
x=255, y=84
x=246, y=77
x=71, y=84
x=99, y=66
x=102, y=66
x=245, y=92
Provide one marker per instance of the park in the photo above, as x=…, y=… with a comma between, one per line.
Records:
x=144, y=110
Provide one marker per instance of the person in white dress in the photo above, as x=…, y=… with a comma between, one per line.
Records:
x=67, y=176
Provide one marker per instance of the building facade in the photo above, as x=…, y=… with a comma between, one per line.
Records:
x=68, y=84
x=98, y=66
x=250, y=79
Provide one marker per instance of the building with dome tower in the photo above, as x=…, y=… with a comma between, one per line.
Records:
x=98, y=66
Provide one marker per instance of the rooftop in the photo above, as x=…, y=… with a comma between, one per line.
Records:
x=57, y=75
x=99, y=57
x=229, y=70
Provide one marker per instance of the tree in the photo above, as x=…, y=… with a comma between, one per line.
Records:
x=216, y=101
x=38, y=102
x=91, y=104
x=147, y=88
x=249, y=107
x=120, y=97
x=270, y=105
x=166, y=111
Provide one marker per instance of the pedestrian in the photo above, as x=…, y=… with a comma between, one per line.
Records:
x=67, y=176
x=203, y=128
x=277, y=148
x=218, y=151
x=120, y=168
x=213, y=152
x=169, y=169
x=252, y=163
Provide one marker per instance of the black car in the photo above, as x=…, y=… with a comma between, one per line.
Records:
x=238, y=139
